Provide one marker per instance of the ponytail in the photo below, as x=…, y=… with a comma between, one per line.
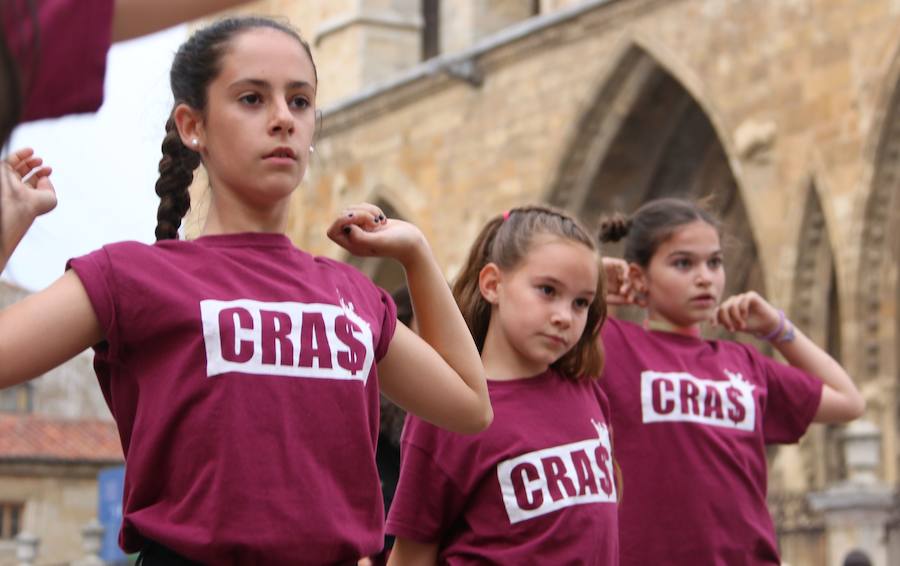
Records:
x=176, y=172
x=614, y=228
x=467, y=291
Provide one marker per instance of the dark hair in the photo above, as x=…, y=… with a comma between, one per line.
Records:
x=505, y=241
x=651, y=225
x=197, y=63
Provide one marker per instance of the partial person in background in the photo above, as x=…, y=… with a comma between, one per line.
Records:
x=53, y=52
x=538, y=486
x=693, y=416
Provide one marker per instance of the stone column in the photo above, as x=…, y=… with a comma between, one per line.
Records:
x=465, y=22
x=858, y=511
x=27, y=548
x=91, y=542
x=374, y=40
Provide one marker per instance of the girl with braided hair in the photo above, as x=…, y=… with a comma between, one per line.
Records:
x=693, y=416
x=242, y=372
x=538, y=486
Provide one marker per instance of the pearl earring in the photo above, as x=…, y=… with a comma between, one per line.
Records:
x=312, y=149
x=194, y=142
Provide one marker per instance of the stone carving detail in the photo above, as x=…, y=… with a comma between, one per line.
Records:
x=879, y=222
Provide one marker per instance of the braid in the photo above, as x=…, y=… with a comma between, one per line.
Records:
x=176, y=171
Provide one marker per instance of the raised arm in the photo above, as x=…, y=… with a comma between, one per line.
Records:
x=47, y=328
x=134, y=18
x=438, y=376
x=749, y=312
x=21, y=201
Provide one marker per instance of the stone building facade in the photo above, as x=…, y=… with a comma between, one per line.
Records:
x=786, y=113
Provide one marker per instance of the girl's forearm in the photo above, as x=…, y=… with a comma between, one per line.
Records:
x=846, y=403
x=12, y=230
x=441, y=324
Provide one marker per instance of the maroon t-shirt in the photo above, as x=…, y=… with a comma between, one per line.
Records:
x=692, y=418
x=536, y=487
x=64, y=75
x=241, y=374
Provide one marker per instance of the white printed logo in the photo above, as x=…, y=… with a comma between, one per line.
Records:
x=288, y=339
x=551, y=479
x=681, y=397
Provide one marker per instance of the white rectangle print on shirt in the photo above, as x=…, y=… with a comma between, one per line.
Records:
x=554, y=478
x=682, y=397
x=311, y=340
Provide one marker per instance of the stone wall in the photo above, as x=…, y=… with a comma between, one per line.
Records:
x=787, y=112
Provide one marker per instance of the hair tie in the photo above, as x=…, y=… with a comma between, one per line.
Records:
x=505, y=215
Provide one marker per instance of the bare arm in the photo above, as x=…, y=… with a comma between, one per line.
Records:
x=44, y=330
x=841, y=400
x=47, y=328
x=407, y=552
x=134, y=18
x=439, y=376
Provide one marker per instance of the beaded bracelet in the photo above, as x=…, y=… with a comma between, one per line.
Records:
x=778, y=330
x=789, y=335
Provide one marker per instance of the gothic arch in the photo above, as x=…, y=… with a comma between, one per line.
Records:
x=644, y=136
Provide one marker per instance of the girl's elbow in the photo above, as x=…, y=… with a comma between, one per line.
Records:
x=857, y=408
x=479, y=421
x=851, y=409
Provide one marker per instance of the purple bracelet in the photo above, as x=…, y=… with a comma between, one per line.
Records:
x=777, y=332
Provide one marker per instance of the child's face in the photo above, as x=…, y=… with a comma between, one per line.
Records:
x=685, y=278
x=542, y=303
x=260, y=118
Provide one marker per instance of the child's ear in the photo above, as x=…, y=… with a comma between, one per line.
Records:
x=637, y=277
x=190, y=126
x=489, y=282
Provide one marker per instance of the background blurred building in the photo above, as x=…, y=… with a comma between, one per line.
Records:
x=56, y=435
x=786, y=113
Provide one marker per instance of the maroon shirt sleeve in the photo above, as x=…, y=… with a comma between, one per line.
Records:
x=793, y=397
x=95, y=272
x=66, y=74
x=388, y=324
x=427, y=499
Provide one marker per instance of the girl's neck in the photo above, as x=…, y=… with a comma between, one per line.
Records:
x=659, y=324
x=237, y=219
x=499, y=371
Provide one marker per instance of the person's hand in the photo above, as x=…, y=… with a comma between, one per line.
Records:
x=25, y=193
x=747, y=312
x=619, y=287
x=363, y=230
x=26, y=187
